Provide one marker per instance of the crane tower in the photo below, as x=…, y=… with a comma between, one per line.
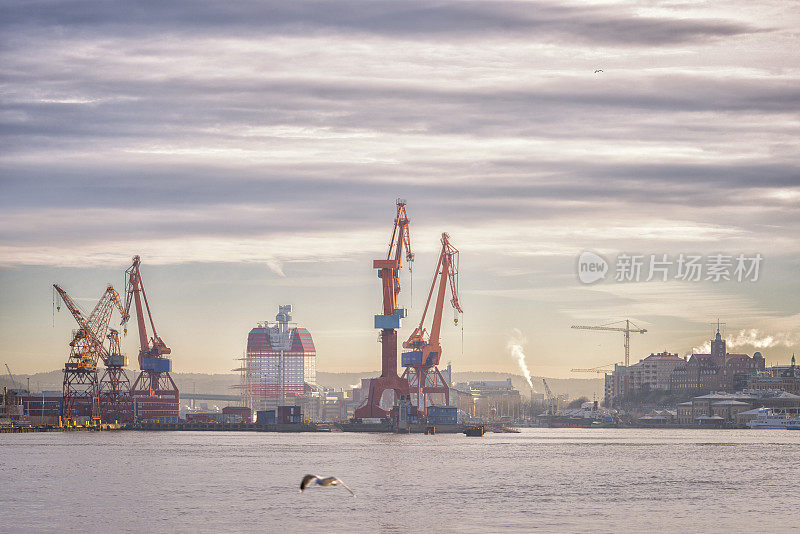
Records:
x=116, y=403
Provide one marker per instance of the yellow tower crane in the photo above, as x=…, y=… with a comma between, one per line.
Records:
x=627, y=329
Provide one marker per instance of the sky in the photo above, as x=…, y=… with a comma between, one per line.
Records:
x=251, y=154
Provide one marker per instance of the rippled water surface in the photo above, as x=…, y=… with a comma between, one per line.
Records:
x=551, y=480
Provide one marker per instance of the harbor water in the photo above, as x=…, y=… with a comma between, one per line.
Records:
x=548, y=480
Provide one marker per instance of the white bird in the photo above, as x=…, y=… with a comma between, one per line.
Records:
x=328, y=481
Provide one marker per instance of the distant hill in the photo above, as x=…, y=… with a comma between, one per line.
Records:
x=221, y=383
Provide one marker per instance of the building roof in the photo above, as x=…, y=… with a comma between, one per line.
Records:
x=300, y=341
x=721, y=395
x=731, y=403
x=663, y=356
x=756, y=394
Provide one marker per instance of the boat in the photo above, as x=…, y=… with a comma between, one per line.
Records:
x=474, y=430
x=767, y=418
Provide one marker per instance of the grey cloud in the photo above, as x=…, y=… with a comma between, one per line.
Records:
x=174, y=111
x=84, y=155
x=413, y=19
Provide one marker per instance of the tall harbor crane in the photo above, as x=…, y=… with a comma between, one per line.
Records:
x=421, y=363
x=388, y=322
x=154, y=393
x=626, y=330
x=86, y=349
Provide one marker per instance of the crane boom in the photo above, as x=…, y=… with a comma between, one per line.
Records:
x=446, y=274
x=134, y=293
x=13, y=382
x=88, y=339
x=390, y=268
x=627, y=330
x=550, y=397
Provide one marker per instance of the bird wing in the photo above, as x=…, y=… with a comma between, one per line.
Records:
x=306, y=481
x=336, y=481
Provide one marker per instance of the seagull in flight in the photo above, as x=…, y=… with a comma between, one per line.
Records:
x=598, y=70
x=328, y=481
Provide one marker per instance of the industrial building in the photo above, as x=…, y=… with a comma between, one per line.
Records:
x=279, y=365
x=488, y=399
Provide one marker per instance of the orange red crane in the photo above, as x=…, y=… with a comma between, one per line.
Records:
x=154, y=393
x=81, y=385
x=421, y=363
x=388, y=322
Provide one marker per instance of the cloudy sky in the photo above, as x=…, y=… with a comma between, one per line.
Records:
x=251, y=154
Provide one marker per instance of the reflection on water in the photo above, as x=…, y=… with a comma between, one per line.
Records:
x=553, y=480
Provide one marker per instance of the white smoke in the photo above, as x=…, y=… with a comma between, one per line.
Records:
x=515, y=346
x=276, y=267
x=705, y=348
x=752, y=338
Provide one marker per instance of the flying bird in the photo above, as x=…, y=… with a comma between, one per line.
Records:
x=328, y=481
x=598, y=70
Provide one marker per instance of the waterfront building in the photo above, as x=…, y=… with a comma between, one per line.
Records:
x=617, y=384
x=719, y=370
x=653, y=372
x=683, y=413
x=658, y=418
x=279, y=365
x=785, y=377
x=723, y=408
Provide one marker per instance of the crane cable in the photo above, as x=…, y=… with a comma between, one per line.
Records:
x=462, y=338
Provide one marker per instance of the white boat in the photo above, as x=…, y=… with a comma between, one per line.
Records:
x=770, y=419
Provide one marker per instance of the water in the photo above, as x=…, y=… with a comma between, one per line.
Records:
x=550, y=480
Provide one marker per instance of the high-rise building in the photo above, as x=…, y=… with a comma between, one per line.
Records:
x=279, y=365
